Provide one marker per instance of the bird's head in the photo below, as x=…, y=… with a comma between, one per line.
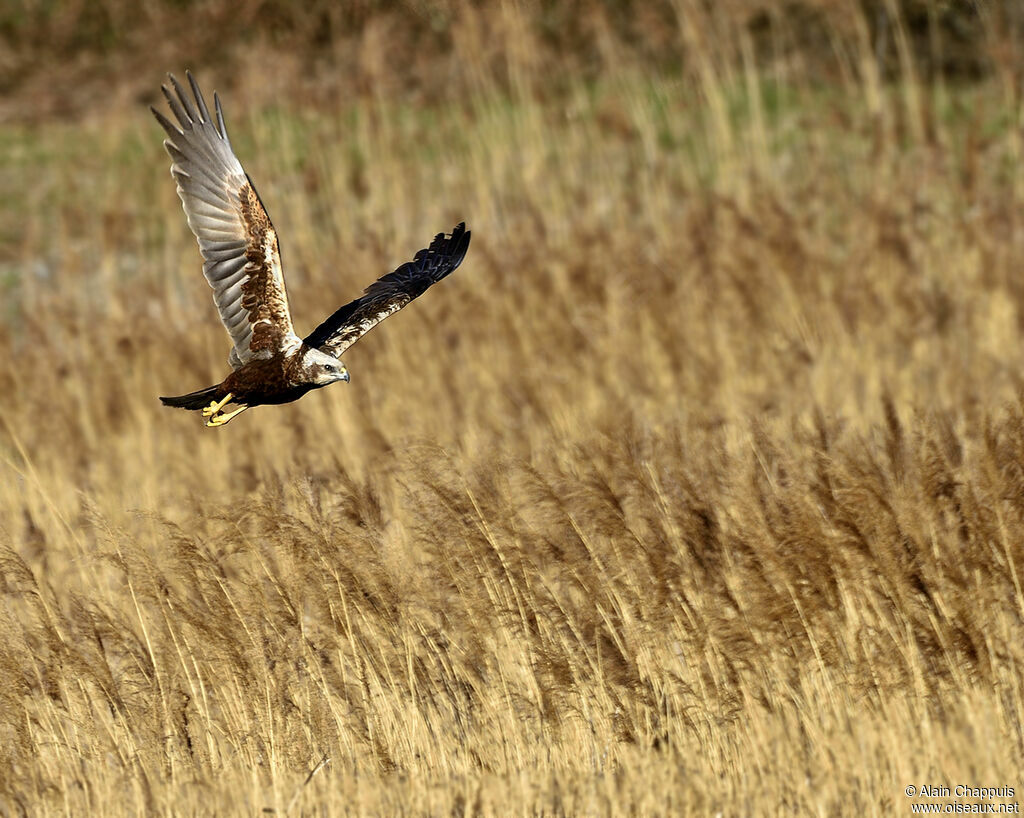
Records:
x=323, y=369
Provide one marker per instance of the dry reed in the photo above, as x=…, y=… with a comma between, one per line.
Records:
x=697, y=489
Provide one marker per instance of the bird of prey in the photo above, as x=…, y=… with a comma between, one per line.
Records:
x=242, y=263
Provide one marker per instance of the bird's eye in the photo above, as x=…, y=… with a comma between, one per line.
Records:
x=329, y=367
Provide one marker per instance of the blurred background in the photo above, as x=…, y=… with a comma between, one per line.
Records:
x=697, y=488
x=67, y=58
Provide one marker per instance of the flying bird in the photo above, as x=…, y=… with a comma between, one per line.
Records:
x=242, y=263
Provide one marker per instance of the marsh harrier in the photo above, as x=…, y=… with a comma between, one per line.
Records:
x=242, y=262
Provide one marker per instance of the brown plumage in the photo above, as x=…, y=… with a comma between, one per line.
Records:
x=242, y=263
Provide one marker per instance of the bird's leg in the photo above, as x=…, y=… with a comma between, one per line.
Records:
x=220, y=418
x=217, y=405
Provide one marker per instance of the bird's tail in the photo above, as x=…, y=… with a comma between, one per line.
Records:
x=194, y=400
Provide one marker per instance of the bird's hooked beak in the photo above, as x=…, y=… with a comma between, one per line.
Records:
x=344, y=375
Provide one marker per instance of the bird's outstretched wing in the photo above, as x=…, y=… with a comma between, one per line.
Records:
x=239, y=245
x=390, y=293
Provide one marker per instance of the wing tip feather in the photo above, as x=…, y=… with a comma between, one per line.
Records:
x=460, y=239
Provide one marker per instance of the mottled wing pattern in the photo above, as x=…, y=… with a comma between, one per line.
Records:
x=238, y=243
x=390, y=293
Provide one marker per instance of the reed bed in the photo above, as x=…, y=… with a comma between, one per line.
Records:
x=698, y=489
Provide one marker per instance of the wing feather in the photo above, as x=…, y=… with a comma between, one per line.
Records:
x=388, y=294
x=242, y=261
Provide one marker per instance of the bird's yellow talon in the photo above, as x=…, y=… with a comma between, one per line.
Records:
x=217, y=405
x=219, y=419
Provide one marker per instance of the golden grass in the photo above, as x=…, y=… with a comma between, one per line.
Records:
x=698, y=489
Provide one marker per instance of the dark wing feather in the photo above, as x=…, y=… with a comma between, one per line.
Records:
x=241, y=259
x=390, y=293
